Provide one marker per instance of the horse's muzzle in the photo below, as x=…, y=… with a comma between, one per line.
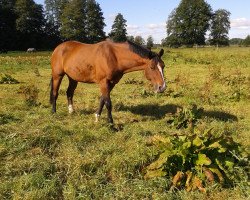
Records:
x=160, y=88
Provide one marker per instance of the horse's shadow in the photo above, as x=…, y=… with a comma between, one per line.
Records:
x=150, y=110
x=219, y=115
x=159, y=111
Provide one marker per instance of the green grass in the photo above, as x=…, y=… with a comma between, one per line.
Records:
x=62, y=156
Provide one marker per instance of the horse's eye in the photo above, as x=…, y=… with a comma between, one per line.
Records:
x=152, y=66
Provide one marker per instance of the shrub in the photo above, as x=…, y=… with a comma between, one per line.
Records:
x=30, y=93
x=198, y=159
x=8, y=79
x=185, y=117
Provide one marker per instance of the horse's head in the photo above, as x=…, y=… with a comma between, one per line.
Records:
x=154, y=72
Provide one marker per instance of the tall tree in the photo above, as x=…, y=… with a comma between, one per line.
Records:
x=173, y=31
x=29, y=22
x=131, y=38
x=119, y=31
x=94, y=23
x=53, y=11
x=150, y=42
x=7, y=24
x=139, y=40
x=246, y=41
x=73, y=20
x=220, y=26
x=188, y=23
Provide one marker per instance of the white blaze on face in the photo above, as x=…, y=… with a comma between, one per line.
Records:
x=160, y=69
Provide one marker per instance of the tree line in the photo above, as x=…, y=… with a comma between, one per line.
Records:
x=189, y=23
x=24, y=24
x=240, y=41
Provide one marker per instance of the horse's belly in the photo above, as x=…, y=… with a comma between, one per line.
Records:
x=84, y=74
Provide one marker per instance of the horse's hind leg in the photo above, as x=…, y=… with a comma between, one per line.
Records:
x=70, y=93
x=56, y=81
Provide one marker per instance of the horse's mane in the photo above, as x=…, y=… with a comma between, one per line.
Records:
x=140, y=50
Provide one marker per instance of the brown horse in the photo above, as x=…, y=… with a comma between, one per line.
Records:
x=103, y=63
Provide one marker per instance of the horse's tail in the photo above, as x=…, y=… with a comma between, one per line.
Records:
x=51, y=91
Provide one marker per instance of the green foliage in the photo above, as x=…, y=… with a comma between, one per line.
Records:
x=150, y=42
x=8, y=79
x=30, y=17
x=7, y=24
x=220, y=26
x=246, y=41
x=73, y=20
x=119, y=32
x=94, y=23
x=239, y=86
x=235, y=41
x=30, y=22
x=182, y=29
x=53, y=11
x=197, y=159
x=30, y=93
x=185, y=117
x=139, y=40
x=131, y=38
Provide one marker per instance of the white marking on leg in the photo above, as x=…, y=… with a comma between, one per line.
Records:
x=71, y=110
x=97, y=117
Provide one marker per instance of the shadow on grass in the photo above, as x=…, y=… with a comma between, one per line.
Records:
x=219, y=115
x=87, y=111
x=159, y=111
x=150, y=110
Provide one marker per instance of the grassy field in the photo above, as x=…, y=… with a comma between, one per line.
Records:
x=63, y=156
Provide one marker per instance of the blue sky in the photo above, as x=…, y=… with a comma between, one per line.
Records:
x=147, y=17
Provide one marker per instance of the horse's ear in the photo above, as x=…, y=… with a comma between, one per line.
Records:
x=161, y=53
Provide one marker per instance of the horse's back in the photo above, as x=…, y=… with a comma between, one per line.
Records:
x=84, y=62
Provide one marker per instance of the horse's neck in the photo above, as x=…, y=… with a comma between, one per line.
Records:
x=135, y=68
x=134, y=63
x=129, y=61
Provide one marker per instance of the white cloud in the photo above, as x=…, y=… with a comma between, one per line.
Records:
x=157, y=31
x=132, y=27
x=240, y=23
x=156, y=26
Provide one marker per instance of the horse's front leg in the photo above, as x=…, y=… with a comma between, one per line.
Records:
x=99, y=111
x=105, y=87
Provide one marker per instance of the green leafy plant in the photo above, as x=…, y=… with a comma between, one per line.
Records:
x=185, y=117
x=196, y=160
x=239, y=86
x=8, y=79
